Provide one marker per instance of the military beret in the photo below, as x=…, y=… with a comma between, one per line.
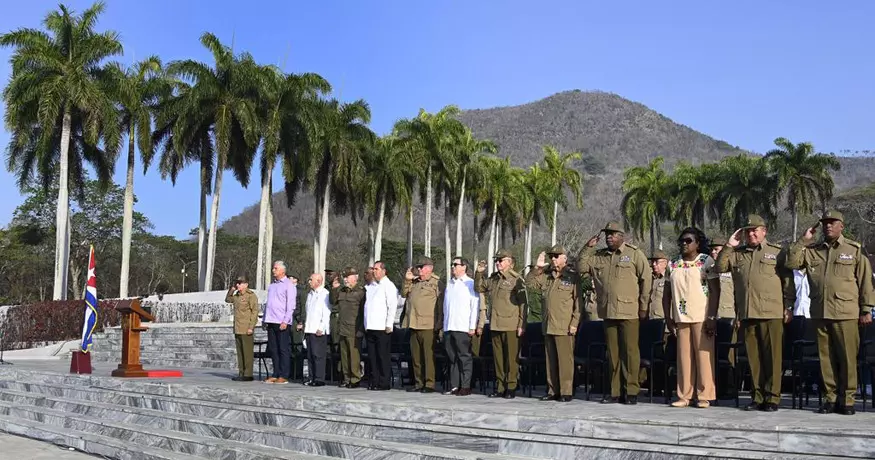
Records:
x=425, y=261
x=832, y=215
x=613, y=227
x=754, y=221
x=557, y=250
x=502, y=254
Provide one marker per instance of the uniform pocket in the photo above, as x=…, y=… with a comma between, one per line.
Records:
x=625, y=270
x=768, y=266
x=844, y=269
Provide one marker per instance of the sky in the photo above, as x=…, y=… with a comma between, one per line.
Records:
x=744, y=71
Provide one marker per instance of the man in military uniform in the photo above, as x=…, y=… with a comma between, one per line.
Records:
x=299, y=317
x=590, y=299
x=560, y=304
x=331, y=277
x=423, y=316
x=726, y=303
x=245, y=317
x=506, y=291
x=764, y=295
x=622, y=281
x=349, y=302
x=841, y=297
x=658, y=263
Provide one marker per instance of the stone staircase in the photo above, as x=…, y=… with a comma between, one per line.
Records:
x=177, y=345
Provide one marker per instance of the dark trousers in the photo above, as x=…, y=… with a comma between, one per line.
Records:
x=317, y=347
x=764, y=341
x=379, y=358
x=245, y=353
x=461, y=361
x=279, y=342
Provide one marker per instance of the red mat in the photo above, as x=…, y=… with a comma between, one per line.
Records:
x=163, y=373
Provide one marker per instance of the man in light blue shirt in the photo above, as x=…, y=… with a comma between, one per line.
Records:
x=281, y=301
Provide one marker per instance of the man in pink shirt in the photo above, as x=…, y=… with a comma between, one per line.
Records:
x=281, y=301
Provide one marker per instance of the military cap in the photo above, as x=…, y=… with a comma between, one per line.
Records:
x=349, y=271
x=424, y=261
x=503, y=253
x=832, y=215
x=754, y=221
x=328, y=270
x=557, y=250
x=718, y=241
x=613, y=227
x=242, y=278
x=658, y=254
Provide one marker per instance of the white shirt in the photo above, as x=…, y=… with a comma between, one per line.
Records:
x=318, y=312
x=803, y=301
x=381, y=302
x=461, y=305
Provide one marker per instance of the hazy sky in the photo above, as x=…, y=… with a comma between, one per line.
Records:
x=742, y=71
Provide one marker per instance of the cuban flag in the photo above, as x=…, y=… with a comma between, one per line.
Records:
x=90, y=305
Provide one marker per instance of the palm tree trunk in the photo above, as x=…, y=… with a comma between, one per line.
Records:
x=214, y=226
x=202, y=235
x=62, y=241
x=378, y=242
x=447, y=244
x=528, y=255
x=652, y=237
x=795, y=223
x=555, y=222
x=491, y=248
x=316, y=228
x=127, y=220
x=459, y=215
x=371, y=247
x=658, y=233
x=410, y=235
x=428, y=198
x=323, y=231
x=263, y=211
x=268, y=247
x=476, y=238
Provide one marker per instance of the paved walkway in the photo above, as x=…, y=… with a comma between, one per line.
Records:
x=27, y=449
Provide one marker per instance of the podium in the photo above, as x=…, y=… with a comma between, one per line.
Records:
x=132, y=315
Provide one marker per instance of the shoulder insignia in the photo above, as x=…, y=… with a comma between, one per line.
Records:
x=854, y=244
x=632, y=246
x=512, y=273
x=774, y=245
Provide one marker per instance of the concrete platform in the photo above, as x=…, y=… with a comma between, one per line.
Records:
x=206, y=415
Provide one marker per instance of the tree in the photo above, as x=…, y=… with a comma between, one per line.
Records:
x=534, y=202
x=560, y=174
x=388, y=183
x=136, y=91
x=497, y=182
x=290, y=124
x=469, y=149
x=59, y=113
x=224, y=98
x=645, y=203
x=805, y=176
x=691, y=192
x=744, y=186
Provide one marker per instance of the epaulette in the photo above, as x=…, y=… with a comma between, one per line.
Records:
x=632, y=246
x=854, y=244
x=774, y=245
x=513, y=273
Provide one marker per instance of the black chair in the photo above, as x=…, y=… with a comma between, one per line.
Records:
x=866, y=362
x=261, y=355
x=399, y=349
x=594, y=351
x=723, y=347
x=484, y=360
x=805, y=364
x=442, y=364
x=666, y=357
x=650, y=346
x=533, y=357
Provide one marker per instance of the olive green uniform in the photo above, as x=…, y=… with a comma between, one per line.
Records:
x=299, y=317
x=655, y=310
x=763, y=290
x=623, y=281
x=423, y=316
x=726, y=302
x=590, y=299
x=245, y=318
x=561, y=311
x=349, y=303
x=506, y=292
x=841, y=291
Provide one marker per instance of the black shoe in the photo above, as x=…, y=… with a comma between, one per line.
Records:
x=549, y=398
x=564, y=399
x=451, y=392
x=308, y=383
x=610, y=400
x=827, y=408
x=343, y=385
x=631, y=400
x=846, y=410
x=510, y=394
x=769, y=407
x=414, y=390
x=427, y=390
x=318, y=383
x=753, y=406
x=352, y=385
x=497, y=394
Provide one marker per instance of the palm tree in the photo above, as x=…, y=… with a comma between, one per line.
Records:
x=225, y=98
x=804, y=175
x=137, y=91
x=497, y=183
x=334, y=164
x=692, y=191
x=645, y=202
x=469, y=149
x=388, y=183
x=59, y=112
x=291, y=111
x=433, y=135
x=534, y=202
x=560, y=174
x=744, y=186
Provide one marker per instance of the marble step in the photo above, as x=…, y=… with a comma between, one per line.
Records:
x=140, y=435
x=218, y=342
x=162, y=363
x=90, y=443
x=211, y=438
x=201, y=416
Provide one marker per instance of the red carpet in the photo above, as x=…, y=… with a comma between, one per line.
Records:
x=163, y=373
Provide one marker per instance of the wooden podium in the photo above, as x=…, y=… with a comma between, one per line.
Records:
x=132, y=314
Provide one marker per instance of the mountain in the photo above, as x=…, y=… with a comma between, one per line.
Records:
x=613, y=133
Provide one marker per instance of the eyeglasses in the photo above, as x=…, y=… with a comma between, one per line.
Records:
x=419, y=267
x=458, y=265
x=555, y=256
x=683, y=241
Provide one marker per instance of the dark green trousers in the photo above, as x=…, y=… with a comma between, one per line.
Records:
x=422, y=355
x=624, y=356
x=838, y=342
x=351, y=358
x=505, y=348
x=245, y=345
x=764, y=342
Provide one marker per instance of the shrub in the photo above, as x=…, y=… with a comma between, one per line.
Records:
x=40, y=323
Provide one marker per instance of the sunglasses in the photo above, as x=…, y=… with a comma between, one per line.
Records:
x=555, y=256
x=458, y=265
x=684, y=241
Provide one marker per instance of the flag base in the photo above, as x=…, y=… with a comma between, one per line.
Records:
x=80, y=363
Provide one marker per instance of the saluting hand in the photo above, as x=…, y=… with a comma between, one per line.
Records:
x=542, y=260
x=735, y=239
x=809, y=235
x=594, y=240
x=336, y=283
x=481, y=266
x=409, y=275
